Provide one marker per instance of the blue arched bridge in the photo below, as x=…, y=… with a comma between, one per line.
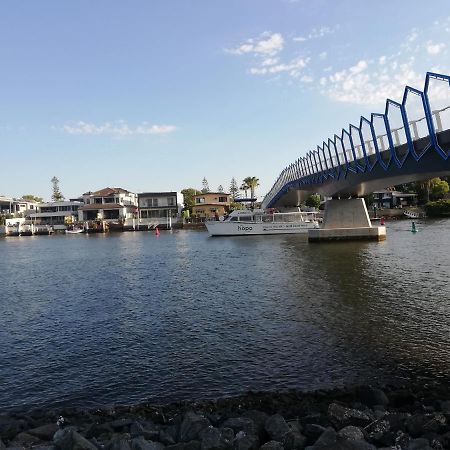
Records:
x=410, y=141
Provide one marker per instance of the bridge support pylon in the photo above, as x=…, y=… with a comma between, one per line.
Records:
x=346, y=220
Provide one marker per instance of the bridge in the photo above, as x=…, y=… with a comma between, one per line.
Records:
x=410, y=141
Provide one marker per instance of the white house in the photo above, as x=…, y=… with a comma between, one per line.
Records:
x=57, y=214
x=108, y=204
x=160, y=208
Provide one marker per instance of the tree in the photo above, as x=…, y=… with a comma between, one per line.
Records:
x=313, y=201
x=244, y=187
x=252, y=183
x=205, y=188
x=234, y=190
x=57, y=195
x=438, y=188
x=220, y=188
x=189, y=198
x=32, y=198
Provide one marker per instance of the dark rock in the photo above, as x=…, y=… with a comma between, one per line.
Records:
x=10, y=427
x=193, y=445
x=149, y=431
x=371, y=396
x=166, y=438
x=351, y=433
x=243, y=441
x=330, y=440
x=259, y=419
x=294, y=440
x=44, y=432
x=272, y=445
x=24, y=439
x=313, y=431
x=69, y=439
x=215, y=439
x=98, y=430
x=276, y=427
x=241, y=424
x=418, y=424
x=444, y=406
x=139, y=443
x=341, y=416
x=379, y=432
x=419, y=444
x=192, y=426
x=120, y=424
x=118, y=442
x=2, y=445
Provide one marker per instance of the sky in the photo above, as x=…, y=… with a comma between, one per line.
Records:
x=155, y=95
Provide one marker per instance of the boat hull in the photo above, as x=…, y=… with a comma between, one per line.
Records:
x=258, y=228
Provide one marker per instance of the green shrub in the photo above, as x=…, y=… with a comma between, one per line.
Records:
x=439, y=208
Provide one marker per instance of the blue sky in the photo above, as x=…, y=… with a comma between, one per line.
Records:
x=155, y=95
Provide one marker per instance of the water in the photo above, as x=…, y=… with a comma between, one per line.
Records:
x=95, y=320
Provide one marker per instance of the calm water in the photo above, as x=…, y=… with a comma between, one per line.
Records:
x=122, y=318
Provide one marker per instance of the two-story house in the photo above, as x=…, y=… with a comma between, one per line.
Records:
x=160, y=209
x=108, y=204
x=56, y=214
x=211, y=204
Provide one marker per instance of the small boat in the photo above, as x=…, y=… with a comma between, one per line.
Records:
x=75, y=231
x=413, y=214
x=260, y=222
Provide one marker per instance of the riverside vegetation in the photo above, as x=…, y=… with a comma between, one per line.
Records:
x=362, y=418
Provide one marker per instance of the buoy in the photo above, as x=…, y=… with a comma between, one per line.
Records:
x=157, y=231
x=382, y=221
x=413, y=227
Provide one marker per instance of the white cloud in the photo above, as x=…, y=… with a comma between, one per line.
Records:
x=118, y=129
x=267, y=44
x=293, y=67
x=323, y=55
x=434, y=49
x=317, y=33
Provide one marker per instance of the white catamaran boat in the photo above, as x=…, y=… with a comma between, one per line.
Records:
x=258, y=221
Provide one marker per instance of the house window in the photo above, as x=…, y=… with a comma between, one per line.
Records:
x=200, y=200
x=213, y=210
x=109, y=200
x=152, y=202
x=222, y=199
x=98, y=200
x=170, y=201
x=200, y=211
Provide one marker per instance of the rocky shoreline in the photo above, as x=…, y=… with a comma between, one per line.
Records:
x=360, y=418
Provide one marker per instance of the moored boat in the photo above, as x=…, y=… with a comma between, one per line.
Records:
x=260, y=222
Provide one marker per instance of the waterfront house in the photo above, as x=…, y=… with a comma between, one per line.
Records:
x=56, y=214
x=211, y=204
x=16, y=207
x=393, y=199
x=108, y=204
x=159, y=208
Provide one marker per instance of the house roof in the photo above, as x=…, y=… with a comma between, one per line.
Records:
x=157, y=194
x=212, y=193
x=107, y=191
x=102, y=206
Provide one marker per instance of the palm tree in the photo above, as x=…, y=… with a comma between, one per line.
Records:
x=252, y=183
x=244, y=187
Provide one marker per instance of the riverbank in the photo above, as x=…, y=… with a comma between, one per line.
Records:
x=409, y=418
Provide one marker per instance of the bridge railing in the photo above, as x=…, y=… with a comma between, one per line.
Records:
x=387, y=138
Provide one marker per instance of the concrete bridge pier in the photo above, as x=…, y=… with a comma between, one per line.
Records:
x=346, y=220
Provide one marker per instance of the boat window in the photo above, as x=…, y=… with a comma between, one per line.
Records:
x=233, y=219
x=245, y=218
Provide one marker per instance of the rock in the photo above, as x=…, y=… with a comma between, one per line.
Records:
x=193, y=445
x=330, y=440
x=276, y=427
x=166, y=438
x=119, y=424
x=294, y=440
x=215, y=439
x=341, y=416
x=24, y=439
x=418, y=424
x=259, y=419
x=69, y=439
x=371, y=396
x=272, y=445
x=419, y=444
x=10, y=427
x=139, y=443
x=118, y=442
x=351, y=433
x=241, y=424
x=44, y=432
x=149, y=431
x=98, y=430
x=242, y=441
x=192, y=426
x=444, y=406
x=2, y=445
x=313, y=431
